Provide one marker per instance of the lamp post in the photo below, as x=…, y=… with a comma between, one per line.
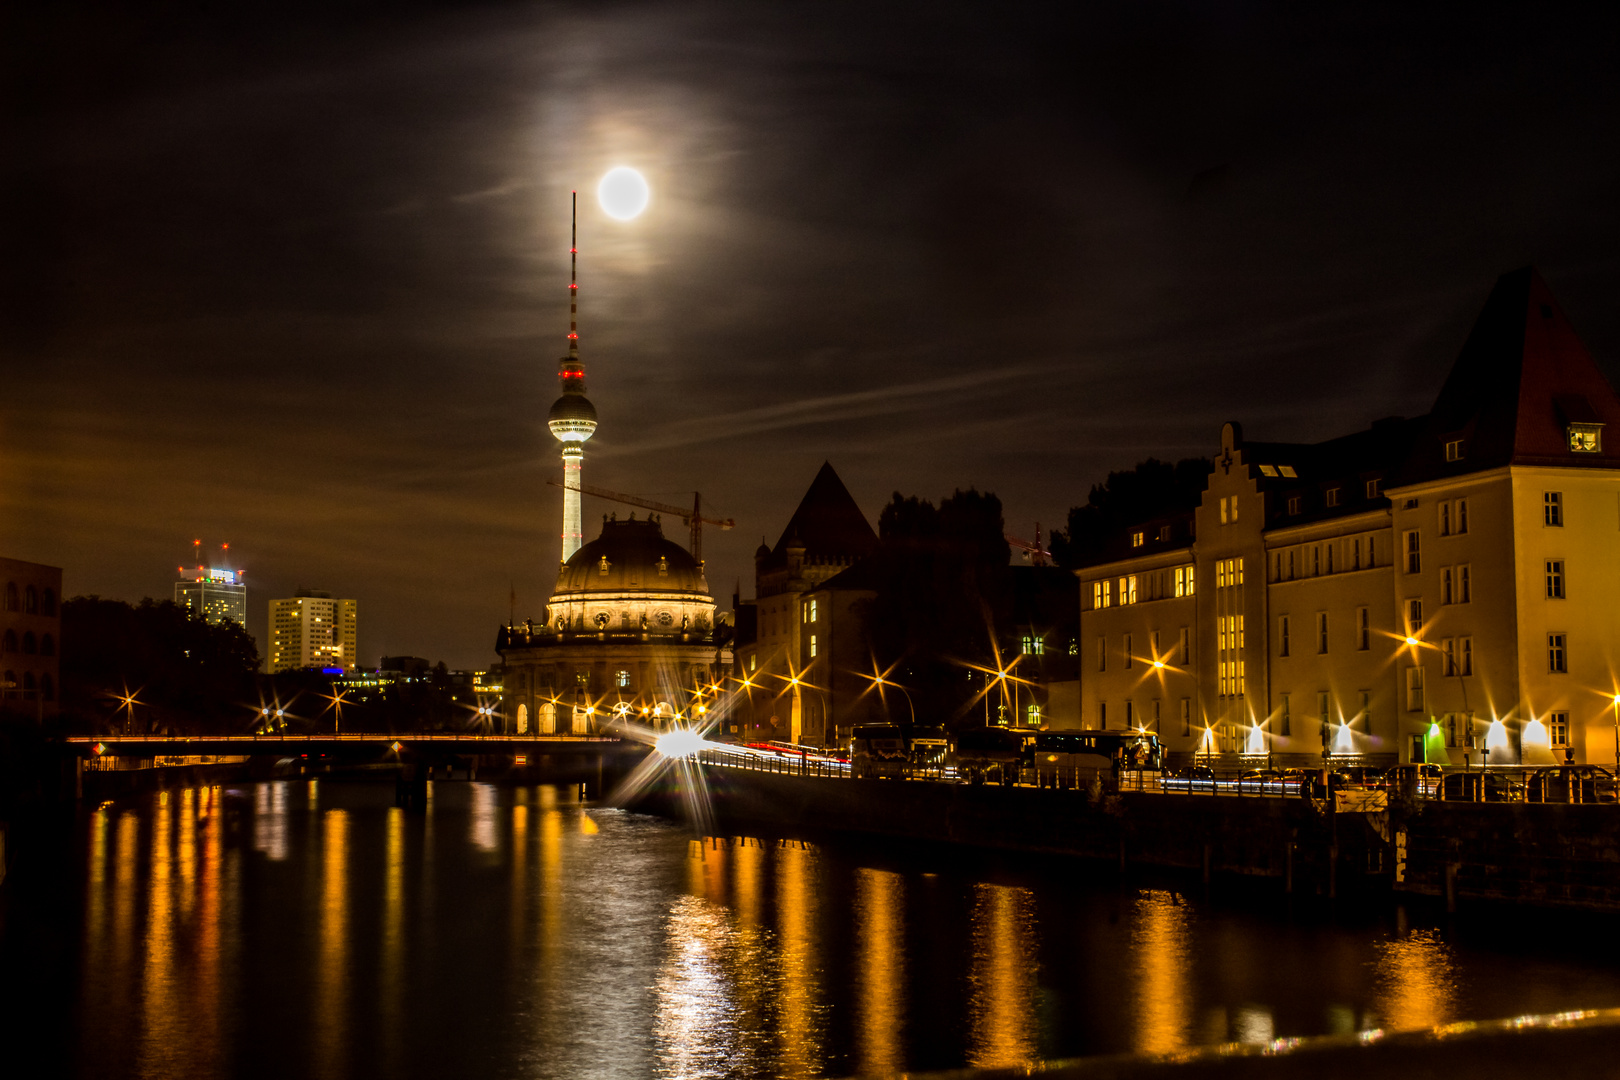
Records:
x=1617, y=734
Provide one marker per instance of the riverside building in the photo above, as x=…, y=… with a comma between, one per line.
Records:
x=1439, y=589
x=30, y=631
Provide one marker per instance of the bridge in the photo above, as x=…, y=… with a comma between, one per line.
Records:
x=412, y=743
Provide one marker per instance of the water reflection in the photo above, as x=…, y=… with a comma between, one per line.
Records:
x=270, y=820
x=162, y=1027
x=392, y=974
x=1002, y=1002
x=879, y=899
x=482, y=818
x=695, y=1016
x=1161, y=938
x=796, y=910
x=331, y=974
x=1416, y=982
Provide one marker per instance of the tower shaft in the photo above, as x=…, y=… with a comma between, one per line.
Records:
x=573, y=456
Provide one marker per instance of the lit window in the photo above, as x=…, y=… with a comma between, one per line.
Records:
x=1164, y=532
x=1586, y=438
x=623, y=678
x=812, y=645
x=1557, y=654
x=1137, y=539
x=1268, y=470
x=1552, y=508
x=1555, y=579
x=1288, y=471
x=1128, y=586
x=813, y=616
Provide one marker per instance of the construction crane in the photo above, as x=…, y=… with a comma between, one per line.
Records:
x=1037, y=554
x=693, y=517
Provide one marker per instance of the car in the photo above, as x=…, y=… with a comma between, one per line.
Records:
x=1418, y=780
x=1356, y=776
x=1570, y=784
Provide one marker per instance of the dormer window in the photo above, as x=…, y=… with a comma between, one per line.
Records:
x=1454, y=449
x=663, y=566
x=1268, y=470
x=1164, y=532
x=1293, y=504
x=1332, y=496
x=1136, y=539
x=1586, y=438
x=602, y=567
x=1374, y=488
x=1288, y=471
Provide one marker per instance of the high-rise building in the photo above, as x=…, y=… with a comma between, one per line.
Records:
x=572, y=418
x=214, y=592
x=312, y=630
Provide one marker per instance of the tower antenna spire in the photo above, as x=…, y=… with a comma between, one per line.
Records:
x=573, y=280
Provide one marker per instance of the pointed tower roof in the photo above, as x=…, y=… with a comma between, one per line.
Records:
x=828, y=524
x=1522, y=380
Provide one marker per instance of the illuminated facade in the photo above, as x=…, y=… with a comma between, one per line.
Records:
x=216, y=595
x=826, y=536
x=630, y=632
x=312, y=630
x=30, y=632
x=1435, y=589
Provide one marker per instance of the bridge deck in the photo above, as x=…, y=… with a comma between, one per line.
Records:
x=198, y=745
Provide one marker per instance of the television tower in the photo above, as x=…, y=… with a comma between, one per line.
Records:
x=572, y=418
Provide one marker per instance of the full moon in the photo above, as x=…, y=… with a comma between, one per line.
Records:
x=623, y=193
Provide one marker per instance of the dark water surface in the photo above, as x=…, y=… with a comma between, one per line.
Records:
x=314, y=929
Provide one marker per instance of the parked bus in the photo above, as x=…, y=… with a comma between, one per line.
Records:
x=988, y=753
x=1077, y=758
x=877, y=750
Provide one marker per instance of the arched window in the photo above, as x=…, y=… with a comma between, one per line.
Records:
x=11, y=642
x=11, y=596
x=523, y=720
x=47, y=645
x=30, y=601
x=48, y=607
x=28, y=684
x=30, y=645
x=47, y=688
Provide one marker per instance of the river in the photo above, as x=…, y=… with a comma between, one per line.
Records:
x=312, y=928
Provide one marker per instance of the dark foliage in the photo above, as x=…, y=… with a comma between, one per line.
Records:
x=187, y=674
x=1152, y=489
x=944, y=596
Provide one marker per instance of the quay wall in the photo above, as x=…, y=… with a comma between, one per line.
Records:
x=1290, y=840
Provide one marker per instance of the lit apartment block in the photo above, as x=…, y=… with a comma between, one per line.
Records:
x=312, y=630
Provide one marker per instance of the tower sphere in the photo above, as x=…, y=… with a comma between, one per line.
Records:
x=572, y=418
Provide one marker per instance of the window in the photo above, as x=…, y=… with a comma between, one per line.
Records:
x=1223, y=511
x=1414, y=689
x=1366, y=710
x=1454, y=450
x=812, y=646
x=1375, y=488
x=813, y=609
x=1137, y=539
x=1445, y=518
x=1321, y=632
x=1128, y=586
x=10, y=641
x=582, y=678
x=1033, y=645
x=1555, y=579
x=1290, y=564
x=1330, y=548
x=1284, y=722
x=1164, y=532
x=622, y=679
x=1184, y=581
x=11, y=596
x=1102, y=715
x=1186, y=716
x=1558, y=729
x=1316, y=560
x=1414, y=617
x=1156, y=716
x=753, y=662
x=1459, y=519
x=1586, y=438
x=1332, y=497
x=1448, y=657
x=1464, y=585
x=30, y=601
x=1282, y=636
x=1181, y=647
x=1033, y=716
x=1130, y=714
x=1234, y=509
x=1355, y=554
x=1126, y=649
x=1414, y=558
x=1153, y=645
x=1102, y=654
x=1557, y=654
x=1465, y=656
x=1293, y=504
x=1363, y=629
x=1552, y=508
x=1288, y=471
x=1445, y=585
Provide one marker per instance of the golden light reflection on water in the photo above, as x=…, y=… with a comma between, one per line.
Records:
x=95, y=898
x=1416, y=982
x=520, y=884
x=1161, y=940
x=392, y=975
x=880, y=929
x=207, y=1039
x=1002, y=1003
x=123, y=909
x=163, y=1035
x=796, y=911
x=331, y=974
x=187, y=850
x=694, y=1021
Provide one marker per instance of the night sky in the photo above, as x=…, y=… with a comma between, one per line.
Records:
x=298, y=282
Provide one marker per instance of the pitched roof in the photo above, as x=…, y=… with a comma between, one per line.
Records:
x=1521, y=378
x=828, y=523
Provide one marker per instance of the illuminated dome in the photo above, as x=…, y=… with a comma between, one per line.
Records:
x=572, y=418
x=632, y=579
